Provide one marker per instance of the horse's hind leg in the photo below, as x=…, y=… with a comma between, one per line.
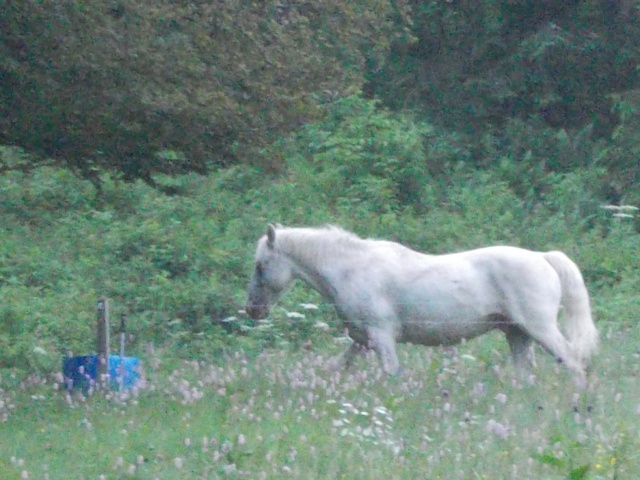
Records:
x=521, y=345
x=548, y=335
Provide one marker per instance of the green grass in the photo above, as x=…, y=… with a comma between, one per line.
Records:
x=455, y=413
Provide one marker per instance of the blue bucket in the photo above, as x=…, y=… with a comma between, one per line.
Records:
x=124, y=371
x=81, y=372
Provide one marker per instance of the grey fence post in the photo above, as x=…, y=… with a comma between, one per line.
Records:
x=103, y=336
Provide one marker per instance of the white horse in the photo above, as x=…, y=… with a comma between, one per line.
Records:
x=387, y=293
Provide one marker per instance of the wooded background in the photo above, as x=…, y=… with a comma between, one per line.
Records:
x=143, y=87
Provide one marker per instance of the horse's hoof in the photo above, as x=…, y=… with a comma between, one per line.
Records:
x=398, y=372
x=333, y=366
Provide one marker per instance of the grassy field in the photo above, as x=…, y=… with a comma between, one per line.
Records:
x=455, y=413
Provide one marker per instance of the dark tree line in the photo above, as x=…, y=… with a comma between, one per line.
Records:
x=144, y=87
x=479, y=63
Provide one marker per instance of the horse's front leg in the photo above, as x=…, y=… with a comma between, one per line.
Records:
x=384, y=344
x=521, y=346
x=345, y=360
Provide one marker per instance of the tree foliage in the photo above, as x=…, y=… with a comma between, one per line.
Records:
x=512, y=122
x=519, y=58
x=142, y=87
x=147, y=87
x=473, y=66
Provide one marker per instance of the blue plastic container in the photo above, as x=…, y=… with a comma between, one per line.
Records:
x=81, y=372
x=124, y=371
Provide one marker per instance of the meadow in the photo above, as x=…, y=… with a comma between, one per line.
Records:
x=454, y=413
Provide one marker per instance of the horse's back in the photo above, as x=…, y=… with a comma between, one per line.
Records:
x=517, y=270
x=481, y=283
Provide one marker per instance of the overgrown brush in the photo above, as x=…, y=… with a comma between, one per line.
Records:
x=178, y=265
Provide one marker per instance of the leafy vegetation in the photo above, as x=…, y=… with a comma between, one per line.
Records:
x=477, y=64
x=442, y=125
x=139, y=88
x=178, y=265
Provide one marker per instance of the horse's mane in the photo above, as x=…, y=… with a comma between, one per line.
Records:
x=317, y=243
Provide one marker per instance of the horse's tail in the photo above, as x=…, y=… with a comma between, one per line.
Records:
x=581, y=331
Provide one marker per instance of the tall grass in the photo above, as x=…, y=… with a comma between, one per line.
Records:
x=455, y=413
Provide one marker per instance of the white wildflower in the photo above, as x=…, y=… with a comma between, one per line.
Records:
x=309, y=306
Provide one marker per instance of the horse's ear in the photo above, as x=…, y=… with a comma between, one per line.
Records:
x=271, y=236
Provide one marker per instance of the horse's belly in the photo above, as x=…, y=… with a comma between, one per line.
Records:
x=447, y=312
x=442, y=333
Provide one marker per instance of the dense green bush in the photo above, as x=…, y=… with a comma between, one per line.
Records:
x=178, y=265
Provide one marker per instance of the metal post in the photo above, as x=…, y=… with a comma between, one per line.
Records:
x=123, y=333
x=103, y=336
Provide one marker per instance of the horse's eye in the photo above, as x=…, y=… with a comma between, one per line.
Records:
x=259, y=270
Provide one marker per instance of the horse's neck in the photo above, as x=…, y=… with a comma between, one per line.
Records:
x=318, y=257
x=315, y=248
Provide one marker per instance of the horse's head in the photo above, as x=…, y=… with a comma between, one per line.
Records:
x=272, y=276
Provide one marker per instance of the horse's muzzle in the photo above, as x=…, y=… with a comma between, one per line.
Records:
x=257, y=312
